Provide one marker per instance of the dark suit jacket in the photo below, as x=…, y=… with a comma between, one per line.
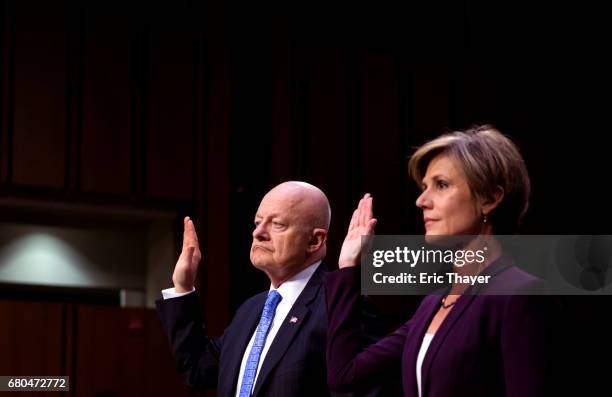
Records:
x=293, y=366
x=488, y=345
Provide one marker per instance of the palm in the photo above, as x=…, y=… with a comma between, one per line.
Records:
x=187, y=264
x=362, y=224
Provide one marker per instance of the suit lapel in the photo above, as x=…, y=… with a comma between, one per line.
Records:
x=227, y=384
x=297, y=316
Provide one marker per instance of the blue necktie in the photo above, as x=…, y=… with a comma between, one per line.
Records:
x=248, y=378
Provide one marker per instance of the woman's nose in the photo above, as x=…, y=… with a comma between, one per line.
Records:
x=423, y=201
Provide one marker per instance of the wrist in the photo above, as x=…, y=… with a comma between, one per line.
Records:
x=345, y=264
x=181, y=289
x=183, y=286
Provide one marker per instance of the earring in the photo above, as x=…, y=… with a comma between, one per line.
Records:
x=484, y=218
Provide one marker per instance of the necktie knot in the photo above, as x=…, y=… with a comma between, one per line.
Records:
x=273, y=298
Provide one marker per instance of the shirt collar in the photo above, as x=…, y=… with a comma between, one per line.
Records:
x=294, y=286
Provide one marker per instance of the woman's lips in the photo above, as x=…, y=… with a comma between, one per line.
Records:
x=429, y=221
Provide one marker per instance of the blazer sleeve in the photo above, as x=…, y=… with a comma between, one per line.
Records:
x=350, y=366
x=196, y=354
x=528, y=340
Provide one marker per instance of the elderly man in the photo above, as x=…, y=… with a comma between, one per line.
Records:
x=275, y=345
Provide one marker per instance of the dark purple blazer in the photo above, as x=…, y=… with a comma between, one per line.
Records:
x=488, y=345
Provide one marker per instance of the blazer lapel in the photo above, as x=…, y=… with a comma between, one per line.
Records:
x=447, y=324
x=227, y=384
x=414, y=340
x=299, y=313
x=462, y=304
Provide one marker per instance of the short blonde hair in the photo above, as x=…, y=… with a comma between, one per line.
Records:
x=488, y=160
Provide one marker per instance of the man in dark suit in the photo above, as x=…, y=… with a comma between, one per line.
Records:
x=275, y=344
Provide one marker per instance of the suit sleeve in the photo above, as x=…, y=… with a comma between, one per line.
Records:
x=350, y=366
x=196, y=354
x=528, y=337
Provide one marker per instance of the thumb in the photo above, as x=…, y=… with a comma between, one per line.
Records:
x=371, y=225
x=190, y=251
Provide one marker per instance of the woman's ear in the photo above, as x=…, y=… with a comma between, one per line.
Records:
x=488, y=205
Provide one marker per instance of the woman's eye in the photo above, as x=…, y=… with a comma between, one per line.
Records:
x=442, y=184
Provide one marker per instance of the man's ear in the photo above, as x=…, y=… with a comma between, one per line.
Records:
x=317, y=239
x=487, y=206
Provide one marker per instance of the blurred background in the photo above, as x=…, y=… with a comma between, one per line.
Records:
x=117, y=119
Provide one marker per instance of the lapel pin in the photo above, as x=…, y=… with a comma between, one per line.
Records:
x=293, y=320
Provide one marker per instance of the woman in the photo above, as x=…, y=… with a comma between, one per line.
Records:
x=473, y=183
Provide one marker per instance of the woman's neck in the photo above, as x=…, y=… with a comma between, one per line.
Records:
x=489, y=248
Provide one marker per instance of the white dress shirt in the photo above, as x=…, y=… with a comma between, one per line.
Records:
x=289, y=290
x=424, y=346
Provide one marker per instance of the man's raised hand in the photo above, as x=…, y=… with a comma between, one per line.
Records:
x=187, y=264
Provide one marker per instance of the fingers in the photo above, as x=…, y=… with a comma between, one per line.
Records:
x=190, y=228
x=365, y=210
x=190, y=238
x=185, y=221
x=363, y=214
x=369, y=214
x=354, y=219
x=360, y=212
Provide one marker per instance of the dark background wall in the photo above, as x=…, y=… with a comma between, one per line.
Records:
x=198, y=109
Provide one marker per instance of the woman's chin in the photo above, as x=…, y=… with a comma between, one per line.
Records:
x=433, y=238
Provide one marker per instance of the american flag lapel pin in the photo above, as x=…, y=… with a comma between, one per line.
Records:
x=293, y=320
